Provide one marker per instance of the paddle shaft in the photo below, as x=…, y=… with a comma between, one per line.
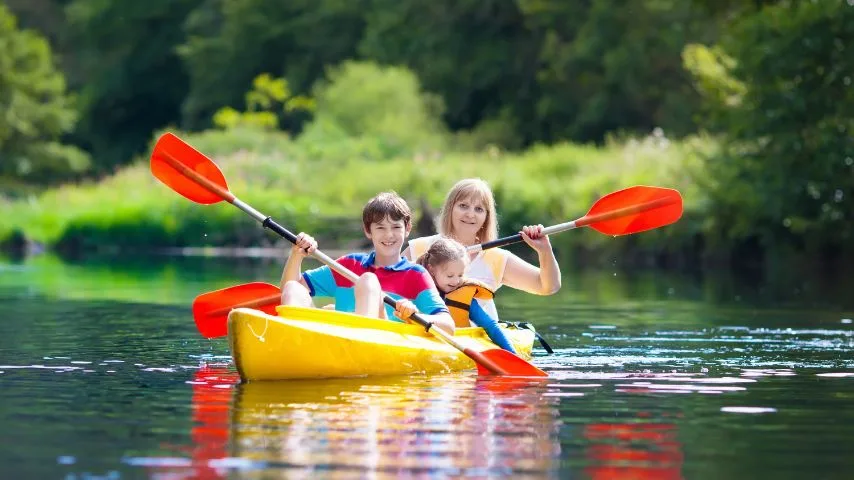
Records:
x=581, y=222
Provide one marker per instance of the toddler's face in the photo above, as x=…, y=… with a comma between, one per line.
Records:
x=449, y=275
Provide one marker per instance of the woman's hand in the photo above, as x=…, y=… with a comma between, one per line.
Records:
x=304, y=245
x=533, y=236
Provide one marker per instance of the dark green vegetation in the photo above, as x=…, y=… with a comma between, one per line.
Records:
x=753, y=97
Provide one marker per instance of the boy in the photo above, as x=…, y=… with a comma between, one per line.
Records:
x=386, y=220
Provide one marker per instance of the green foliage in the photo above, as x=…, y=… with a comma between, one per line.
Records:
x=780, y=88
x=231, y=42
x=711, y=69
x=364, y=100
x=324, y=194
x=35, y=109
x=765, y=78
x=477, y=54
x=129, y=76
x=612, y=65
x=268, y=98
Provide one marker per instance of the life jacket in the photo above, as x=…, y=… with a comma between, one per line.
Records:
x=459, y=301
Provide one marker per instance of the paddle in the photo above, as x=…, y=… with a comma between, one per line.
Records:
x=210, y=310
x=196, y=177
x=631, y=210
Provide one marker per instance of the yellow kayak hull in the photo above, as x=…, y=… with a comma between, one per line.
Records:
x=316, y=343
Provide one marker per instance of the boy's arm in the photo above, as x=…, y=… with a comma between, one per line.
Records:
x=442, y=319
x=305, y=245
x=430, y=302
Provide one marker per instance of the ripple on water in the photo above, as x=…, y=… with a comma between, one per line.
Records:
x=748, y=409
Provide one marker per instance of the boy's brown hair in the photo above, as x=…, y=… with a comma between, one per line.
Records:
x=386, y=204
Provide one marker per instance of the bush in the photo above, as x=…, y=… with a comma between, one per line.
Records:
x=364, y=100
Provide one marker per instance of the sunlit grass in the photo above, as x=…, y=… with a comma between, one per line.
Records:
x=320, y=188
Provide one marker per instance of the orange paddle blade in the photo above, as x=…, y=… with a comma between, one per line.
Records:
x=187, y=171
x=509, y=363
x=634, y=209
x=500, y=385
x=210, y=310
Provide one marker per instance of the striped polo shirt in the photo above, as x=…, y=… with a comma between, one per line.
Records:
x=404, y=279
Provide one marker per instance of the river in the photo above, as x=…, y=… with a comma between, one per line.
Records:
x=654, y=375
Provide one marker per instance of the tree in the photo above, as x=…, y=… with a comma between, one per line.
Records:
x=229, y=43
x=477, y=54
x=269, y=99
x=130, y=78
x=35, y=110
x=614, y=65
x=780, y=91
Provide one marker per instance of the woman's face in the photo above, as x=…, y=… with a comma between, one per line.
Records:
x=468, y=217
x=448, y=275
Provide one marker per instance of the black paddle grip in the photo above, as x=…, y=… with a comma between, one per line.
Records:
x=415, y=317
x=280, y=230
x=501, y=242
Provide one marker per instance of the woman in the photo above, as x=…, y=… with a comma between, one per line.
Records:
x=468, y=216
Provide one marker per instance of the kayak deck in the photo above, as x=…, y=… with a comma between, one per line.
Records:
x=316, y=343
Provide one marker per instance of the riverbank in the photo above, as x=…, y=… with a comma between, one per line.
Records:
x=321, y=188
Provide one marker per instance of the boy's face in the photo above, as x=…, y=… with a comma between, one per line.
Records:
x=388, y=235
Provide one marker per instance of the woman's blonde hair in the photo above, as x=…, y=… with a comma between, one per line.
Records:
x=441, y=251
x=477, y=190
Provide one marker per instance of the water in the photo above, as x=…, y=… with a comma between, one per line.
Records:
x=102, y=375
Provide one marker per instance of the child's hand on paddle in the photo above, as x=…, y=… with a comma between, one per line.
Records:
x=404, y=309
x=304, y=245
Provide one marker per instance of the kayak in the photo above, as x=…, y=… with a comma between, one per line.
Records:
x=302, y=342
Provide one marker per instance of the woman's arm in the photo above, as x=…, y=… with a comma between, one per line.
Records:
x=521, y=275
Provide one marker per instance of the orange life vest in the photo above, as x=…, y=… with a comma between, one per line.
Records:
x=459, y=301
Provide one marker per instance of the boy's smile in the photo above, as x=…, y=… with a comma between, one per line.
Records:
x=387, y=236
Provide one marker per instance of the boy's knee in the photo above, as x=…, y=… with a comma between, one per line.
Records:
x=367, y=282
x=368, y=294
x=294, y=293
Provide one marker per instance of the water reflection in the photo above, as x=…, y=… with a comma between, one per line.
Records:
x=439, y=425
x=633, y=451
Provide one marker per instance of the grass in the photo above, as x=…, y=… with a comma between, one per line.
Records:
x=312, y=185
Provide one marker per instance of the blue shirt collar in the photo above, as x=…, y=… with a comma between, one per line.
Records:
x=397, y=267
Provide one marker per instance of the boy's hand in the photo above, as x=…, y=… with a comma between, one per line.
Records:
x=404, y=309
x=305, y=245
x=533, y=236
